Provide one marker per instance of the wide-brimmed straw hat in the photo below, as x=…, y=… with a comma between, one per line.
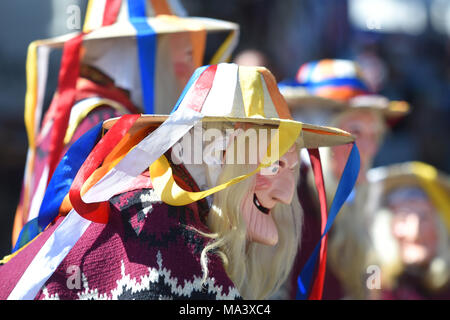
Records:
x=148, y=48
x=336, y=85
x=117, y=19
x=225, y=93
x=233, y=94
x=414, y=174
x=123, y=19
x=151, y=77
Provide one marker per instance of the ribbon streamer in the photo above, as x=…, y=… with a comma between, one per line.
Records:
x=98, y=212
x=317, y=289
x=167, y=189
x=344, y=188
x=158, y=142
x=146, y=45
x=59, y=186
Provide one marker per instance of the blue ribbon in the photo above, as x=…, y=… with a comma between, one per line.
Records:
x=59, y=185
x=345, y=187
x=146, y=46
x=351, y=197
x=29, y=231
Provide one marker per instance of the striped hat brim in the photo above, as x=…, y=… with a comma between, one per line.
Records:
x=160, y=25
x=313, y=136
x=299, y=98
x=434, y=183
x=408, y=174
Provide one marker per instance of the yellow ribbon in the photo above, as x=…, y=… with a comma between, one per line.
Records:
x=74, y=125
x=223, y=48
x=171, y=193
x=428, y=179
x=30, y=118
x=31, y=94
x=87, y=27
x=252, y=92
x=8, y=257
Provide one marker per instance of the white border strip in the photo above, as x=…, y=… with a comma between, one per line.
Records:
x=50, y=256
x=143, y=155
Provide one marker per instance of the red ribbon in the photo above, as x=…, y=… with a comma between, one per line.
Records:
x=201, y=89
x=67, y=80
x=317, y=290
x=68, y=74
x=98, y=212
x=112, y=8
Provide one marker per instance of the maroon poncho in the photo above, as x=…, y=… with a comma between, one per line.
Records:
x=147, y=250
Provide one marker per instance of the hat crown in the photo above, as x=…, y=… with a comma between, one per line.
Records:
x=326, y=69
x=336, y=79
x=229, y=90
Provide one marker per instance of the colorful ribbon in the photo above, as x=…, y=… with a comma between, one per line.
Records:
x=344, y=188
x=146, y=45
x=314, y=155
x=59, y=185
x=428, y=179
x=78, y=163
x=191, y=81
x=65, y=99
x=98, y=212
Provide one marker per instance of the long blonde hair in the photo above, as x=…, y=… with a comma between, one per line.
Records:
x=256, y=270
x=350, y=245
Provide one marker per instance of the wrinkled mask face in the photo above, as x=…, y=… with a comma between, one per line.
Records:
x=367, y=127
x=414, y=227
x=273, y=185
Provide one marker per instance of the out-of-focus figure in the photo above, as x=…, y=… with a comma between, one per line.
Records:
x=334, y=92
x=409, y=254
x=132, y=57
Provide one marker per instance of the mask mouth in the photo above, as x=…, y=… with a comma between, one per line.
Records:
x=259, y=206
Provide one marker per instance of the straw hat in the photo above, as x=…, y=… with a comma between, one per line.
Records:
x=408, y=174
x=223, y=93
x=146, y=30
x=435, y=184
x=121, y=19
x=162, y=16
x=336, y=85
x=242, y=94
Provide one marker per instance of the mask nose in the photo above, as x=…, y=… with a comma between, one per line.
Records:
x=407, y=228
x=283, y=186
x=279, y=186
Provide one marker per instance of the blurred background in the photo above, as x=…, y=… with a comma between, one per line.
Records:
x=403, y=47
